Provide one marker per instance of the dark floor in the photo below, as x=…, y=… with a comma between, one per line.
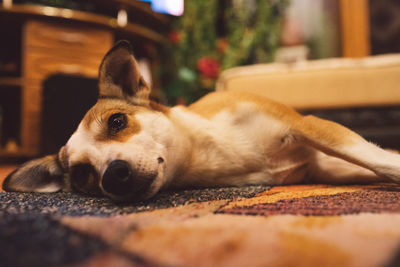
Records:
x=30, y=234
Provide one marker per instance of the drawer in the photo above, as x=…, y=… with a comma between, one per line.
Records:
x=39, y=65
x=68, y=37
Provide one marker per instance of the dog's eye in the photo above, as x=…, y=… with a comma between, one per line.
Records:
x=117, y=122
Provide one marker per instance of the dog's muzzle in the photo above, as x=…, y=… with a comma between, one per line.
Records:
x=121, y=180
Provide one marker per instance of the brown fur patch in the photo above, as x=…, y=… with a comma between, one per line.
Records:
x=214, y=103
x=159, y=107
x=104, y=108
x=331, y=133
x=101, y=112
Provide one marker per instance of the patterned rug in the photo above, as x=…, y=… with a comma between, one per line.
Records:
x=303, y=225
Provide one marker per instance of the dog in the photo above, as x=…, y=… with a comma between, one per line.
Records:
x=128, y=147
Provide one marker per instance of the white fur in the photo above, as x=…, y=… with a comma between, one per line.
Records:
x=49, y=188
x=383, y=163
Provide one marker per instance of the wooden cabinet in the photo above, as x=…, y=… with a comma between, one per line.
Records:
x=44, y=41
x=56, y=37
x=50, y=48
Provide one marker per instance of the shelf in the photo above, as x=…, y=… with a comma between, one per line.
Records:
x=84, y=17
x=11, y=81
x=140, y=7
x=14, y=158
x=17, y=154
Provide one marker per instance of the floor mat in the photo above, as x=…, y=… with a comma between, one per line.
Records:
x=303, y=225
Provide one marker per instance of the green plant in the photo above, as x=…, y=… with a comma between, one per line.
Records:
x=212, y=36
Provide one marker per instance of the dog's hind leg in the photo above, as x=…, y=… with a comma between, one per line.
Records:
x=332, y=170
x=338, y=141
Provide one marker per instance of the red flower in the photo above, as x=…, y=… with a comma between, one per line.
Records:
x=174, y=37
x=208, y=67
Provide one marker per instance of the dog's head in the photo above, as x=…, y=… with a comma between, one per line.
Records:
x=120, y=146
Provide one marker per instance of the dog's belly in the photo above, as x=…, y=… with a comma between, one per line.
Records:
x=260, y=138
x=289, y=167
x=244, y=146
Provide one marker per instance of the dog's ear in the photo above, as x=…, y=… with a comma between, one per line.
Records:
x=119, y=76
x=39, y=175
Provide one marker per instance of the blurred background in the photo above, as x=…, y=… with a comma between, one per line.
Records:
x=50, y=51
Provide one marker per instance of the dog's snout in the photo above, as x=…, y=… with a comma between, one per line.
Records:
x=118, y=178
x=121, y=180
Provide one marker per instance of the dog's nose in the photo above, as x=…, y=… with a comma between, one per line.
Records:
x=118, y=178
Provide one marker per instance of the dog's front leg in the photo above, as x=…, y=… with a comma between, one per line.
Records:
x=338, y=141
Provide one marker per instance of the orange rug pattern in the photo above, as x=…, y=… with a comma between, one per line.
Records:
x=304, y=225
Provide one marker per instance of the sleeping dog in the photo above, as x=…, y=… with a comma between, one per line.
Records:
x=129, y=148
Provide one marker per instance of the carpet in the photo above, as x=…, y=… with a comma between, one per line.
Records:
x=302, y=225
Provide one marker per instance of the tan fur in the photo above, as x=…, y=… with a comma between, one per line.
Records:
x=330, y=133
x=213, y=103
